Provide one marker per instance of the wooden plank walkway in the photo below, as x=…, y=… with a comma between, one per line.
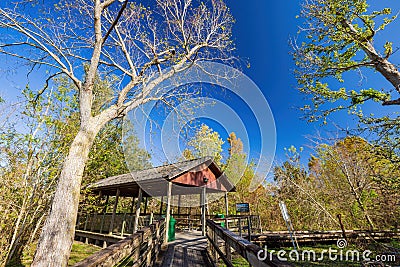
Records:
x=188, y=250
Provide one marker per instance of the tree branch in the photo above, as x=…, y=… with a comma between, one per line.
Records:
x=382, y=65
x=114, y=23
x=45, y=87
x=16, y=25
x=391, y=102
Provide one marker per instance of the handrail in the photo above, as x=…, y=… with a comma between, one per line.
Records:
x=243, y=247
x=271, y=238
x=235, y=223
x=123, y=222
x=141, y=249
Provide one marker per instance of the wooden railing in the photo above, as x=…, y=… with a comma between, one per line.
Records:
x=243, y=225
x=235, y=223
x=123, y=222
x=221, y=242
x=98, y=239
x=273, y=238
x=139, y=249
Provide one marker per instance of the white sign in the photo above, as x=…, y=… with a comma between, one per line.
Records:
x=284, y=211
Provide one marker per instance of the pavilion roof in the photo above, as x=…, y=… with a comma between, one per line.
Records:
x=154, y=180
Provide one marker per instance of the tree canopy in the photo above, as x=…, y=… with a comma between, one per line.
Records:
x=349, y=177
x=340, y=47
x=206, y=142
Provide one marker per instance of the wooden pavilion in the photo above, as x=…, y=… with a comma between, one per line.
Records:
x=193, y=177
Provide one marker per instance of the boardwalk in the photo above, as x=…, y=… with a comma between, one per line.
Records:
x=188, y=250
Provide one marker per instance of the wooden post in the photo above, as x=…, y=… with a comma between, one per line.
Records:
x=123, y=225
x=85, y=227
x=151, y=218
x=161, y=205
x=131, y=217
x=94, y=218
x=113, y=214
x=104, y=214
x=78, y=217
x=189, y=221
x=249, y=228
x=240, y=226
x=132, y=205
x=86, y=222
x=168, y=215
x=228, y=251
x=137, y=211
x=150, y=248
x=210, y=246
x=201, y=210
x=203, y=200
x=226, y=210
x=215, y=239
x=259, y=224
x=103, y=218
x=145, y=206
x=106, y=204
x=179, y=204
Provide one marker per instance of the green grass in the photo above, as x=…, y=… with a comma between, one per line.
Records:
x=237, y=261
x=79, y=252
x=395, y=243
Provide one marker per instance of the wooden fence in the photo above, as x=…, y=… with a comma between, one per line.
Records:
x=122, y=224
x=282, y=238
x=240, y=224
x=222, y=242
x=139, y=249
x=243, y=225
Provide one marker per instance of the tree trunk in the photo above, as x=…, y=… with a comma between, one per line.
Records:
x=366, y=213
x=14, y=243
x=58, y=232
x=357, y=196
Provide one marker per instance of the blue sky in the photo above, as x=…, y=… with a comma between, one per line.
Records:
x=261, y=34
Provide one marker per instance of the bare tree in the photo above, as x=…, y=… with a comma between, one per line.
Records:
x=113, y=39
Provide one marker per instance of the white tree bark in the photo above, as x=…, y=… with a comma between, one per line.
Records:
x=58, y=232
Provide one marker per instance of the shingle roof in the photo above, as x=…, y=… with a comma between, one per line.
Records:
x=158, y=174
